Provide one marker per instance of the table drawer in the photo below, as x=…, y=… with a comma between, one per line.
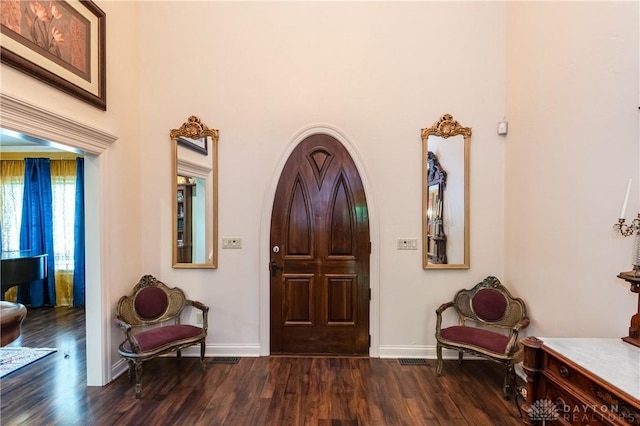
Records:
x=588, y=394
x=568, y=410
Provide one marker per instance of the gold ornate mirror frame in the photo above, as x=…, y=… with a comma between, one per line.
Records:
x=194, y=186
x=445, y=195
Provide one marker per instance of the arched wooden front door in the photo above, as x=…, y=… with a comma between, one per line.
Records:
x=320, y=249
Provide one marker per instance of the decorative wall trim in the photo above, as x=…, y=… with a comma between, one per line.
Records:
x=21, y=116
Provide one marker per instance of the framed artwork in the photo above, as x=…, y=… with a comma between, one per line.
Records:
x=198, y=145
x=61, y=43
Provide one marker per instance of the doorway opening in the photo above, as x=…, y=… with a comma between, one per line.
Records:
x=23, y=117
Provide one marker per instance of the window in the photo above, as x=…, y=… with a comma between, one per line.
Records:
x=63, y=187
x=11, y=188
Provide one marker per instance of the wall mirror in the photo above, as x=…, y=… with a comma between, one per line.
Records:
x=194, y=183
x=445, y=195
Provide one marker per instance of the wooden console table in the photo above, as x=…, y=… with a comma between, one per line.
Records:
x=580, y=381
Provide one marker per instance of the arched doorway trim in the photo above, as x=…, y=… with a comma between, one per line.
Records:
x=264, y=293
x=23, y=117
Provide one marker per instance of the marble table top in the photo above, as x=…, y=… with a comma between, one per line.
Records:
x=611, y=359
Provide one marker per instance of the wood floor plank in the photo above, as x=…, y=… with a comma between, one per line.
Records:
x=261, y=391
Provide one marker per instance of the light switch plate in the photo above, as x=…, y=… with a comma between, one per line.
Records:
x=407, y=244
x=232, y=243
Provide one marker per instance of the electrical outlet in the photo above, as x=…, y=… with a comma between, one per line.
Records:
x=232, y=243
x=199, y=318
x=407, y=244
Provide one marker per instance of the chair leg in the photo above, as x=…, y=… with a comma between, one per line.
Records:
x=131, y=371
x=439, y=355
x=178, y=354
x=460, y=353
x=138, y=368
x=509, y=377
x=202, y=348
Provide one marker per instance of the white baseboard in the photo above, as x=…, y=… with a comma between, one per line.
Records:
x=121, y=366
x=428, y=352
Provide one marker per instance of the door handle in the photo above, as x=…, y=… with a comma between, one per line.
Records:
x=274, y=268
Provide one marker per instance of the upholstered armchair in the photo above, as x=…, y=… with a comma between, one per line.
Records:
x=489, y=320
x=150, y=320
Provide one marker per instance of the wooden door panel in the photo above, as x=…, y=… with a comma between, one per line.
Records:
x=297, y=306
x=320, y=298
x=300, y=236
x=341, y=300
x=341, y=228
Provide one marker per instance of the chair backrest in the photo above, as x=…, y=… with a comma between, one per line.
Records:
x=151, y=302
x=490, y=303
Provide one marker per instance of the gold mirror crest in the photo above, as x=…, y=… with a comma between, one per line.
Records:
x=193, y=128
x=446, y=127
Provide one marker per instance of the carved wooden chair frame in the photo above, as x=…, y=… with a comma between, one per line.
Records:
x=513, y=319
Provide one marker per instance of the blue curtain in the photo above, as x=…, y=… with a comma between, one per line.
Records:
x=78, y=237
x=36, y=229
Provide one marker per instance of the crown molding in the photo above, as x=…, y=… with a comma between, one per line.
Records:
x=24, y=117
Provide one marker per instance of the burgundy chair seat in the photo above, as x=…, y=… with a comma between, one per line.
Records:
x=473, y=336
x=158, y=337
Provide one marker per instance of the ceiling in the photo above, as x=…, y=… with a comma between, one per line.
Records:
x=11, y=141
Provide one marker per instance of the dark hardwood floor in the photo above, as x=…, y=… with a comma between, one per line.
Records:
x=297, y=391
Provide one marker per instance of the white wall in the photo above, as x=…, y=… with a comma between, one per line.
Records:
x=377, y=72
x=572, y=106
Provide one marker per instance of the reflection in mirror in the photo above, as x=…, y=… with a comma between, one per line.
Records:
x=445, y=195
x=195, y=207
x=436, y=235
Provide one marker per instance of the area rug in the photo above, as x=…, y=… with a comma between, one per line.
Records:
x=12, y=359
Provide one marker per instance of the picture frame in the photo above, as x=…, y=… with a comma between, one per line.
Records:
x=61, y=43
x=198, y=145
